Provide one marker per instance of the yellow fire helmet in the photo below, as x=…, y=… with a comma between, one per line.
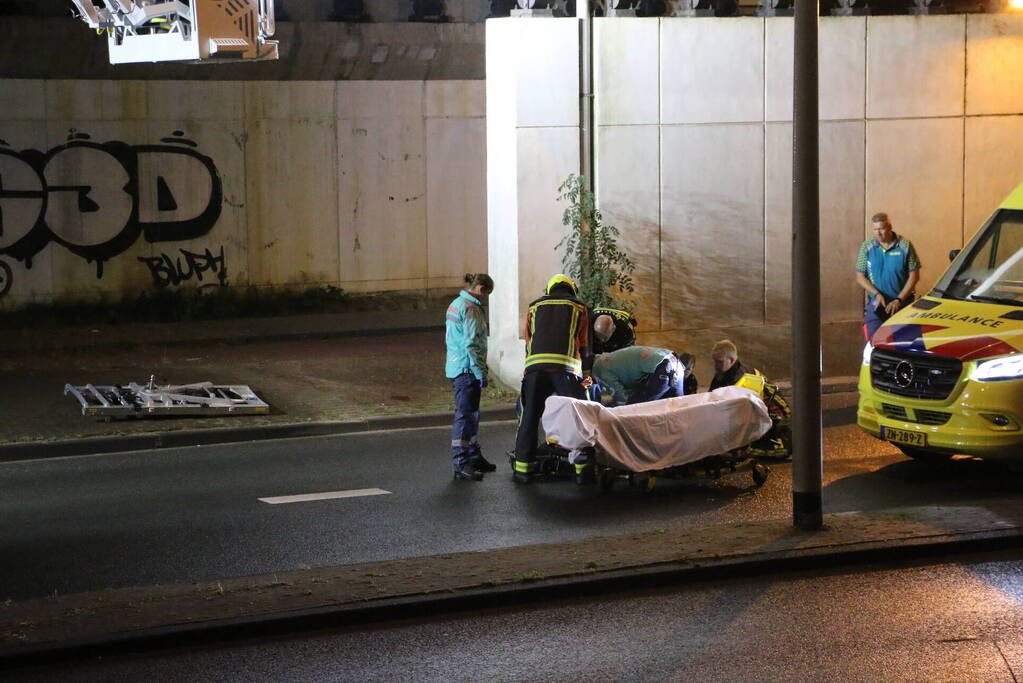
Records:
x=561, y=279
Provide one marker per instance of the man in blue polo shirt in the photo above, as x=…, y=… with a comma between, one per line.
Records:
x=888, y=269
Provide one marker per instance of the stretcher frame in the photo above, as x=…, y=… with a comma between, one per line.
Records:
x=552, y=464
x=197, y=399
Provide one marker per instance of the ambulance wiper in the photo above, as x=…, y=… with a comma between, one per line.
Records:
x=944, y=295
x=995, y=299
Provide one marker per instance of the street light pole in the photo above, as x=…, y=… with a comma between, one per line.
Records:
x=807, y=459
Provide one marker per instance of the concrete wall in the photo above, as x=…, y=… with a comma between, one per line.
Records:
x=110, y=188
x=921, y=117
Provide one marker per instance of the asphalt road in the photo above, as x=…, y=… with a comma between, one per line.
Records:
x=957, y=619
x=194, y=514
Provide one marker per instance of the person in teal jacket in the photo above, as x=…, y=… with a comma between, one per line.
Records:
x=465, y=334
x=639, y=373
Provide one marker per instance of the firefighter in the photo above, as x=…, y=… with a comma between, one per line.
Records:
x=557, y=339
x=613, y=329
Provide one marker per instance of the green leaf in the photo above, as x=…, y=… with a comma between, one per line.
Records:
x=589, y=251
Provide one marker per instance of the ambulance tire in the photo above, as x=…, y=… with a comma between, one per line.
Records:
x=928, y=457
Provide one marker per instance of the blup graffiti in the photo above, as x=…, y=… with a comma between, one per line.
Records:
x=95, y=199
x=167, y=272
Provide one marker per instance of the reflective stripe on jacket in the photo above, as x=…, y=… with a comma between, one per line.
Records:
x=557, y=334
x=465, y=332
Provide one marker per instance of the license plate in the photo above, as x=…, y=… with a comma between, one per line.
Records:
x=904, y=436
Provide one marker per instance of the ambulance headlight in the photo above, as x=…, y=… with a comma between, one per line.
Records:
x=1008, y=367
x=866, y=353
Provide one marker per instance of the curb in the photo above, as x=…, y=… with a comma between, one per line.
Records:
x=429, y=605
x=36, y=450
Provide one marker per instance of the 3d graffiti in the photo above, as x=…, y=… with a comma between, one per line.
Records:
x=96, y=199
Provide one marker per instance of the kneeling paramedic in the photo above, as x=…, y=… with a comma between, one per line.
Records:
x=640, y=373
x=557, y=339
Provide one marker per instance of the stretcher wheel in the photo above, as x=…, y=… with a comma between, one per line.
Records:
x=607, y=479
x=759, y=473
x=649, y=484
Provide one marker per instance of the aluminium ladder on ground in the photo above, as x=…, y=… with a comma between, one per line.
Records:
x=134, y=400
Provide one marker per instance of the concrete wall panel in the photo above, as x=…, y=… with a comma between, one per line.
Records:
x=31, y=279
x=22, y=98
x=455, y=99
x=190, y=187
x=99, y=219
x=545, y=158
x=842, y=68
x=292, y=202
x=626, y=72
x=841, y=212
x=290, y=100
x=456, y=210
x=545, y=53
x=96, y=100
x=915, y=174
x=505, y=355
x=385, y=99
x=382, y=199
x=712, y=217
x=915, y=66
x=628, y=168
x=994, y=49
x=706, y=82
x=994, y=147
x=195, y=100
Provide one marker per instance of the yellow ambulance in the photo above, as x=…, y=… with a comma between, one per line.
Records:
x=944, y=375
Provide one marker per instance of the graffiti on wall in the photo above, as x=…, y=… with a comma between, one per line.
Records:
x=96, y=199
x=5, y=278
x=166, y=271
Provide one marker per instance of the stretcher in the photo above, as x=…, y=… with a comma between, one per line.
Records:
x=700, y=436
x=134, y=400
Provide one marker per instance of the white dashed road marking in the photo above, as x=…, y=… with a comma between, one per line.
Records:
x=328, y=495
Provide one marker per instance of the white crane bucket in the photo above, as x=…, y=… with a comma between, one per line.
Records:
x=183, y=30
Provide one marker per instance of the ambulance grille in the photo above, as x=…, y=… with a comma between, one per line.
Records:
x=918, y=375
x=893, y=411
x=931, y=417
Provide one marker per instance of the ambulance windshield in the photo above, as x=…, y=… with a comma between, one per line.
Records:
x=992, y=267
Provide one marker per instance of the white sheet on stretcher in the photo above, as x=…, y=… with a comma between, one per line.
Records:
x=658, y=434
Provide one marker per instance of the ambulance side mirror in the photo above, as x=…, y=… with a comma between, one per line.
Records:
x=952, y=254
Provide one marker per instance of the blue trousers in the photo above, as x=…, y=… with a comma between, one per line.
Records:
x=873, y=318
x=466, y=426
x=664, y=382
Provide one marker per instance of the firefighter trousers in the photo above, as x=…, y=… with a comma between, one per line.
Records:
x=536, y=387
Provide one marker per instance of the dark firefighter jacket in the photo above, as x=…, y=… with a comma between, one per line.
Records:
x=623, y=336
x=557, y=334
